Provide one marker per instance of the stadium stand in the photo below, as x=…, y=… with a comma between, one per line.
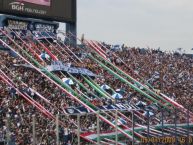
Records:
x=43, y=78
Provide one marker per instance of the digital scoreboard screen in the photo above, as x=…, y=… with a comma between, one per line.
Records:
x=54, y=10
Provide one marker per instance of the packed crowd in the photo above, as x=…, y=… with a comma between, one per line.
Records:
x=167, y=73
x=171, y=73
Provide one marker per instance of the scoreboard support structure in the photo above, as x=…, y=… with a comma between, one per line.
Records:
x=72, y=28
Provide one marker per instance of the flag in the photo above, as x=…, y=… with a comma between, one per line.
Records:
x=140, y=104
x=146, y=113
x=105, y=87
x=44, y=56
x=68, y=81
x=117, y=96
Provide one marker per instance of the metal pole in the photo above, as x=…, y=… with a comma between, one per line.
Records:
x=78, y=133
x=7, y=131
x=34, y=129
x=148, y=125
x=175, y=126
x=133, y=125
x=116, y=129
x=57, y=129
x=188, y=134
x=98, y=129
x=162, y=121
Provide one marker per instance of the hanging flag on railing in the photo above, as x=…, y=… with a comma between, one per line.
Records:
x=68, y=81
x=60, y=66
x=82, y=109
x=105, y=87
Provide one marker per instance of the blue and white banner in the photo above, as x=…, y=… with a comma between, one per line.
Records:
x=77, y=110
x=82, y=109
x=60, y=66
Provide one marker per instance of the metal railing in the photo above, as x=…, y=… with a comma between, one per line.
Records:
x=174, y=132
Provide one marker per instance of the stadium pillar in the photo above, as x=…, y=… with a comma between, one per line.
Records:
x=34, y=130
x=71, y=28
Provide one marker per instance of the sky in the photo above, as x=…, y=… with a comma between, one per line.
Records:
x=167, y=24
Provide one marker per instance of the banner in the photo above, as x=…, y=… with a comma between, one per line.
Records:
x=82, y=109
x=38, y=2
x=77, y=110
x=50, y=10
x=17, y=25
x=23, y=65
x=60, y=66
